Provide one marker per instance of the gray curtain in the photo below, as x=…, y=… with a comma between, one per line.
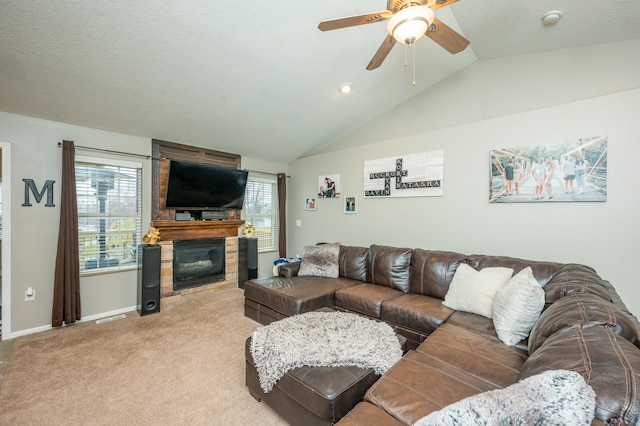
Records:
x=66, y=286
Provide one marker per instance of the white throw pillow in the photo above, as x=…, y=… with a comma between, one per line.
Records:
x=517, y=306
x=474, y=291
x=320, y=261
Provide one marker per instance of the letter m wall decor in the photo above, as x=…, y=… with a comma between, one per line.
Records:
x=31, y=188
x=412, y=175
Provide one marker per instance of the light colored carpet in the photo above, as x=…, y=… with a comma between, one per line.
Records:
x=182, y=366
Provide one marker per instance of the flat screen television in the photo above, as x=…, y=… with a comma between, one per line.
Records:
x=197, y=185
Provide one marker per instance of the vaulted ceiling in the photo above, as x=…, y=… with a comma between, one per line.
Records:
x=255, y=78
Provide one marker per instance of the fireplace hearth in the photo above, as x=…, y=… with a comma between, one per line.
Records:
x=198, y=262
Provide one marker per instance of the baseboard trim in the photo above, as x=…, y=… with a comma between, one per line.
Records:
x=84, y=319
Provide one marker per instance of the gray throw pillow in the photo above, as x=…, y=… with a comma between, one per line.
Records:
x=517, y=307
x=320, y=261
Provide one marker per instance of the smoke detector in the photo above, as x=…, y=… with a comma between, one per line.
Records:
x=551, y=18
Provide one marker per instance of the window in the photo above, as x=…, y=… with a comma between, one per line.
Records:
x=262, y=212
x=109, y=213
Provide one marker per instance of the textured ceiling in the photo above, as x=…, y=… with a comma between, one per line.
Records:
x=254, y=78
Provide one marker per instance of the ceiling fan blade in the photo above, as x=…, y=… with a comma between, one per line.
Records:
x=439, y=4
x=351, y=21
x=382, y=52
x=446, y=37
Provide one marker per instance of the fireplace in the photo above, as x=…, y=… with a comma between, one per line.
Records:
x=198, y=262
x=196, y=231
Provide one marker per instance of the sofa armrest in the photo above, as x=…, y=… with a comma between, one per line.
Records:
x=289, y=270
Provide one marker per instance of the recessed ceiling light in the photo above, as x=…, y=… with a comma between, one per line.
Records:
x=551, y=18
x=345, y=88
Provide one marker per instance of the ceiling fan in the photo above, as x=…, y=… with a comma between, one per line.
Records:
x=408, y=20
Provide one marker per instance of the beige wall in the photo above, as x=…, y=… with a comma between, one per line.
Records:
x=539, y=99
x=35, y=155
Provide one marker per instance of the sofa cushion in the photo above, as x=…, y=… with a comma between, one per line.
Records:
x=479, y=355
x=574, y=278
x=389, y=266
x=557, y=397
x=582, y=310
x=419, y=384
x=542, y=270
x=474, y=291
x=432, y=271
x=352, y=263
x=367, y=414
x=320, y=260
x=609, y=363
x=517, y=307
x=415, y=312
x=365, y=298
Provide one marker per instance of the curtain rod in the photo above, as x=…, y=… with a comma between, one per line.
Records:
x=110, y=151
x=88, y=148
x=265, y=173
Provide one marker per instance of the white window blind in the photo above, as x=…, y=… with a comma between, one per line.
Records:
x=261, y=211
x=109, y=214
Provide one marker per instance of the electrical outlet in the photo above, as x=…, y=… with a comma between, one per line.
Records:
x=29, y=294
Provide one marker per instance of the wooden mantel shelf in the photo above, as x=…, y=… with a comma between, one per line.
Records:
x=191, y=230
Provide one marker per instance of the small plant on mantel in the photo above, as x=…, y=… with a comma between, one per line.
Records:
x=152, y=237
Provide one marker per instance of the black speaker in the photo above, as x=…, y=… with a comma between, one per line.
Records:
x=148, y=280
x=247, y=260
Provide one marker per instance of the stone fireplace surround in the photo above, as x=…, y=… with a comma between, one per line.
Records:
x=193, y=230
x=164, y=219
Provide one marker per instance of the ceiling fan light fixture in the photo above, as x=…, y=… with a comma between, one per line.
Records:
x=409, y=24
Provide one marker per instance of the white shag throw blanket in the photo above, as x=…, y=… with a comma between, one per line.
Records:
x=322, y=339
x=555, y=397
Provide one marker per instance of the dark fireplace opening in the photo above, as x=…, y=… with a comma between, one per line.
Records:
x=198, y=262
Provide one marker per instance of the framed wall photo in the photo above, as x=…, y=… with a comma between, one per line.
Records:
x=572, y=171
x=310, y=203
x=350, y=204
x=329, y=186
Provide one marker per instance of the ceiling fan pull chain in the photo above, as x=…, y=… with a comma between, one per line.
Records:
x=406, y=54
x=414, y=66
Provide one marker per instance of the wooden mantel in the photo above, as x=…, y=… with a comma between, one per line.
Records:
x=191, y=230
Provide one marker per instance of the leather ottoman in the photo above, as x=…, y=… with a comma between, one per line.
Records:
x=274, y=298
x=312, y=395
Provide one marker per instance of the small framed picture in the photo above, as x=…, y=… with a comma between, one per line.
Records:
x=310, y=203
x=350, y=204
x=329, y=186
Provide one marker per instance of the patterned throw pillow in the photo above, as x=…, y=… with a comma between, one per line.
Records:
x=320, y=261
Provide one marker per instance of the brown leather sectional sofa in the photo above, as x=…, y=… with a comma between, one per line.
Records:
x=584, y=327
